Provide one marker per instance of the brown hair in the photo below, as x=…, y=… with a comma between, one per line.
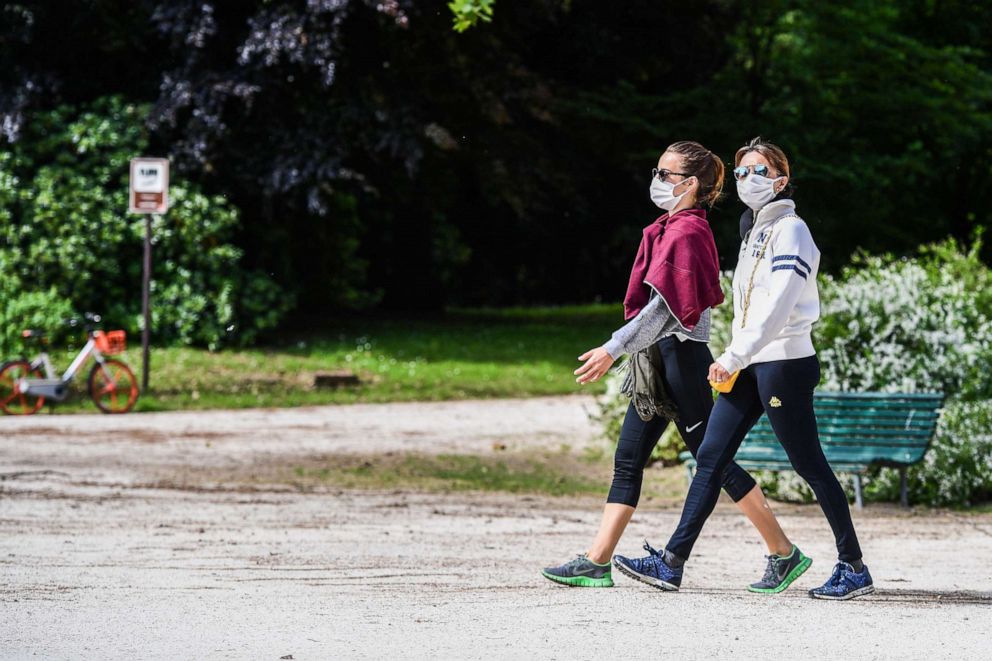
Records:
x=700, y=162
x=772, y=153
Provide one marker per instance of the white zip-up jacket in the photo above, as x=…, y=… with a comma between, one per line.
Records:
x=784, y=300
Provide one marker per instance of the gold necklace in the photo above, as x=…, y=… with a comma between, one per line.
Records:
x=750, y=281
x=754, y=269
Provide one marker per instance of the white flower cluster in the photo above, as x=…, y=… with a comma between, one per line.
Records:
x=958, y=468
x=899, y=326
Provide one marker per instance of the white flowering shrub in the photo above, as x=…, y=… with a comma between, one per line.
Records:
x=909, y=325
x=896, y=325
x=958, y=468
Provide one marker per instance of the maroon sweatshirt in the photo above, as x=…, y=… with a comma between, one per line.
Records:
x=678, y=258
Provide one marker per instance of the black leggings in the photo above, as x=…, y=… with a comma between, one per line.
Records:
x=784, y=390
x=686, y=365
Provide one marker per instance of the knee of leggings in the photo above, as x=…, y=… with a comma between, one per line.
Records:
x=626, y=472
x=707, y=459
x=625, y=461
x=737, y=483
x=627, y=477
x=812, y=471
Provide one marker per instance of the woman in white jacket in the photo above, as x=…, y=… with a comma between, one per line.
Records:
x=772, y=358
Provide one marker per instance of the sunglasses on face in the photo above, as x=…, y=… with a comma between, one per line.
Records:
x=663, y=174
x=743, y=171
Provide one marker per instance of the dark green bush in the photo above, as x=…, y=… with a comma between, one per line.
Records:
x=67, y=242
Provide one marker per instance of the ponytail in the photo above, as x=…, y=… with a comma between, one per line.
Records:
x=716, y=190
x=700, y=162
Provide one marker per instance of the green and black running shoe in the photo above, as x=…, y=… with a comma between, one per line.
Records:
x=782, y=571
x=581, y=572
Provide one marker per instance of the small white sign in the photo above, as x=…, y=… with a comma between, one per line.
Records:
x=149, y=185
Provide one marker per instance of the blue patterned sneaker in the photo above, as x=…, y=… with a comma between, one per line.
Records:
x=581, y=572
x=845, y=583
x=651, y=570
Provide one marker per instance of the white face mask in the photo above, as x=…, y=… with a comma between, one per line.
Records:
x=662, y=194
x=756, y=191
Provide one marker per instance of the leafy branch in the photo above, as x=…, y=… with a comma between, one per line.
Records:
x=467, y=13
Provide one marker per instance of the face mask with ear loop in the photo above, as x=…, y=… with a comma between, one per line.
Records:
x=663, y=193
x=756, y=191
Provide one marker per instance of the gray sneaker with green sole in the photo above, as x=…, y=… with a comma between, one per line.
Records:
x=781, y=572
x=581, y=572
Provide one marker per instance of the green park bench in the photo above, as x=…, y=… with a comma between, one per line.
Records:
x=857, y=430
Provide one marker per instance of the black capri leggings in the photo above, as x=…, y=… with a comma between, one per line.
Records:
x=686, y=365
x=783, y=389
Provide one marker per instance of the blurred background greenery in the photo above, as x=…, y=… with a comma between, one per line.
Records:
x=351, y=155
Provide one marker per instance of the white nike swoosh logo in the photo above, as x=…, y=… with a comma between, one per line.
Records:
x=689, y=429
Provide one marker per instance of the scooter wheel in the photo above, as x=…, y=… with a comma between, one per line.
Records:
x=12, y=400
x=113, y=387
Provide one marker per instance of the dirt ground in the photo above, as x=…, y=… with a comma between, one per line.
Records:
x=118, y=540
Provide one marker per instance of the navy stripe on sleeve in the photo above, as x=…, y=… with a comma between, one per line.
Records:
x=795, y=257
x=790, y=267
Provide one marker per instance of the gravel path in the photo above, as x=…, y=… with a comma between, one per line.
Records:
x=96, y=564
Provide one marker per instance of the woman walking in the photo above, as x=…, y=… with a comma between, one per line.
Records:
x=673, y=284
x=770, y=367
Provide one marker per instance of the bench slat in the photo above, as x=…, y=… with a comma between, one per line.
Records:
x=912, y=416
x=833, y=394
x=830, y=448
x=825, y=395
x=838, y=468
x=881, y=407
x=835, y=451
x=917, y=399
x=877, y=397
x=861, y=457
x=877, y=423
x=870, y=432
x=834, y=438
x=776, y=463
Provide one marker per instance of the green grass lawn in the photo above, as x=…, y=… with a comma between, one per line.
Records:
x=467, y=353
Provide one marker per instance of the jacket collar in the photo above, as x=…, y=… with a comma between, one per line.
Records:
x=773, y=211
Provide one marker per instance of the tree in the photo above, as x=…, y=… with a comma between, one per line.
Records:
x=470, y=12
x=380, y=158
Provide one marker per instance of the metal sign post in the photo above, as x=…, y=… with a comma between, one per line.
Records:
x=149, y=194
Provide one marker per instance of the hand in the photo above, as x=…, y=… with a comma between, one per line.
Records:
x=718, y=374
x=597, y=363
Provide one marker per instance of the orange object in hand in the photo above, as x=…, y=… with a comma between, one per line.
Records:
x=728, y=385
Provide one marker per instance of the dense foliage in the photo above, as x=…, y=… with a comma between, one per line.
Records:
x=69, y=245
x=471, y=12
x=379, y=157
